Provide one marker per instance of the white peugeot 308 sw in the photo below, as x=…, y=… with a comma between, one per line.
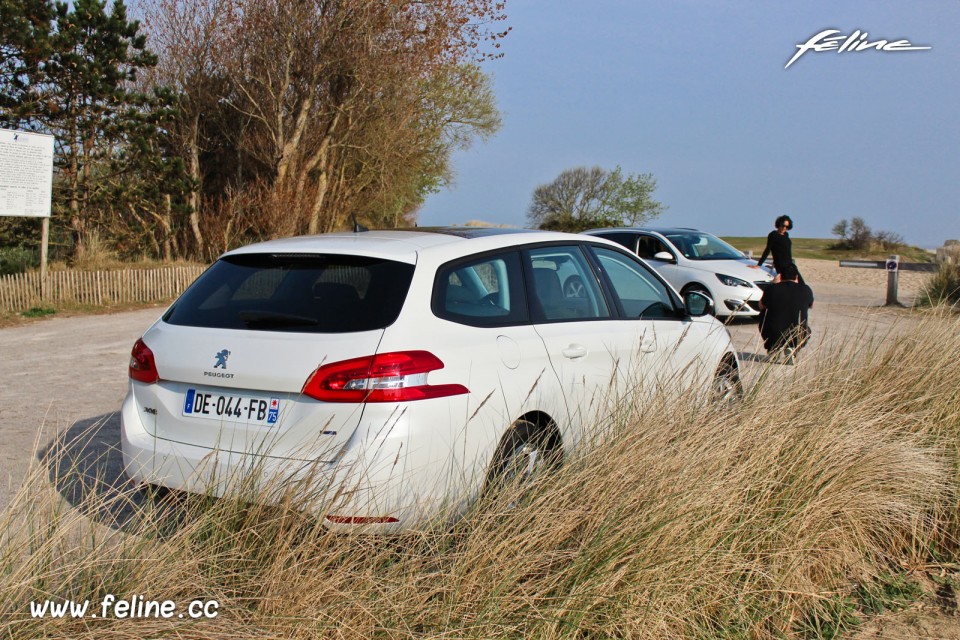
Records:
x=394, y=373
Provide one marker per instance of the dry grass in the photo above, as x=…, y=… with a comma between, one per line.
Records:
x=681, y=521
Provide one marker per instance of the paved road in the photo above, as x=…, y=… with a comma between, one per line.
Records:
x=69, y=374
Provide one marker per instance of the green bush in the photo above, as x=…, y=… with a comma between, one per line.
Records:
x=943, y=287
x=17, y=260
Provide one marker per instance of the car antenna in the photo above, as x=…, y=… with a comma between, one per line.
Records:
x=357, y=227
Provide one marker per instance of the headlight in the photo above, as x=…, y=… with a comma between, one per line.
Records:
x=730, y=281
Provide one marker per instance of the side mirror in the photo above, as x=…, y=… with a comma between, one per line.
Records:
x=664, y=256
x=697, y=304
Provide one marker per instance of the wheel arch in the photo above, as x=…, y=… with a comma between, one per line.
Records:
x=546, y=424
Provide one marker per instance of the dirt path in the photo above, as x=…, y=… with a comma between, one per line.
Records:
x=56, y=373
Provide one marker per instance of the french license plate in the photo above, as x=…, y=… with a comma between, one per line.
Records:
x=231, y=408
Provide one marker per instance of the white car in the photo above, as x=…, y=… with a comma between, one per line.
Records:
x=692, y=260
x=397, y=374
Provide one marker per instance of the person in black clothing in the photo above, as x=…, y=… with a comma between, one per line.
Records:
x=784, y=307
x=779, y=246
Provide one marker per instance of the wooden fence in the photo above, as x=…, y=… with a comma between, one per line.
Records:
x=21, y=291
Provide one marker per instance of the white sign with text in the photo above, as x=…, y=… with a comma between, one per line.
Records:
x=26, y=173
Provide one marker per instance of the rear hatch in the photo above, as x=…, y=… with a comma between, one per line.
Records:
x=234, y=352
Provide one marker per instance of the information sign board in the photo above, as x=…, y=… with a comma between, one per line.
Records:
x=26, y=173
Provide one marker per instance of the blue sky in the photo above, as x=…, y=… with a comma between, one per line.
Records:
x=695, y=92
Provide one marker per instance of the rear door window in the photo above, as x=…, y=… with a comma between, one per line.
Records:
x=295, y=293
x=484, y=291
x=564, y=286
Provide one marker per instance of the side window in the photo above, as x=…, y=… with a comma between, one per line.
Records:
x=640, y=293
x=483, y=292
x=649, y=246
x=564, y=286
x=626, y=240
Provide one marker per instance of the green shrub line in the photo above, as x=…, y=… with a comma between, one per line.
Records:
x=799, y=512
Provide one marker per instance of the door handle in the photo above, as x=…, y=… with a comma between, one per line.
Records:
x=574, y=351
x=648, y=344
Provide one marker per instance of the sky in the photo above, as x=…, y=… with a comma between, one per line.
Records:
x=696, y=93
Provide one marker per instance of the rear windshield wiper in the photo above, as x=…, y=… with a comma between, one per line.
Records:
x=273, y=319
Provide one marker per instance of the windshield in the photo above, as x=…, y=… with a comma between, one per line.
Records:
x=695, y=245
x=296, y=293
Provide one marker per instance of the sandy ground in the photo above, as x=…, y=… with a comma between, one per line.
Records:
x=69, y=374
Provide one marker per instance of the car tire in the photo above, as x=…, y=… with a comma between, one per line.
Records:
x=525, y=453
x=727, y=386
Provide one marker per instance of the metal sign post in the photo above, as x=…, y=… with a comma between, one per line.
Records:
x=892, y=266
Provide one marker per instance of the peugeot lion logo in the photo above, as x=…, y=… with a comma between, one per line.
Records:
x=222, y=359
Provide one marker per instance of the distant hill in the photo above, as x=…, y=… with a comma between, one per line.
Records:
x=819, y=248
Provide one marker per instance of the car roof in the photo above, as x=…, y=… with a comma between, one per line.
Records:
x=660, y=230
x=403, y=244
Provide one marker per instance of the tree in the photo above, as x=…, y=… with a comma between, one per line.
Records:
x=25, y=29
x=321, y=83
x=314, y=111
x=583, y=198
x=857, y=234
x=189, y=37
x=841, y=229
x=84, y=96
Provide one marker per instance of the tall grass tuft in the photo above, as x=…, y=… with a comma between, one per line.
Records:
x=681, y=521
x=942, y=288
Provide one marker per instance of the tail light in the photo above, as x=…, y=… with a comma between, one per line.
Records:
x=142, y=365
x=386, y=377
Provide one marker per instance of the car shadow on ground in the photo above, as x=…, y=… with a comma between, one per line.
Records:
x=85, y=465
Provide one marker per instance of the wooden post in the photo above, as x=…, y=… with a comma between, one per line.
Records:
x=44, y=240
x=893, y=271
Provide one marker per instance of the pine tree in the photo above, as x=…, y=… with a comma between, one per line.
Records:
x=86, y=99
x=25, y=28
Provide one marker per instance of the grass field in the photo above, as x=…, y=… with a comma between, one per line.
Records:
x=791, y=515
x=819, y=248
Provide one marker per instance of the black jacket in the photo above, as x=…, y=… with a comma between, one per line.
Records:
x=782, y=249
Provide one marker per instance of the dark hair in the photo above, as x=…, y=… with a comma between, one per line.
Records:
x=790, y=272
x=783, y=220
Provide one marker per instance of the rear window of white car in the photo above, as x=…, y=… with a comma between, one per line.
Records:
x=302, y=293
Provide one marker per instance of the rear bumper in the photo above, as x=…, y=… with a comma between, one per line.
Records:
x=367, y=482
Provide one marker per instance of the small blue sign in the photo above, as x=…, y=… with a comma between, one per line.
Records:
x=188, y=403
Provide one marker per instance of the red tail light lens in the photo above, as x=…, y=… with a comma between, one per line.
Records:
x=142, y=365
x=386, y=377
